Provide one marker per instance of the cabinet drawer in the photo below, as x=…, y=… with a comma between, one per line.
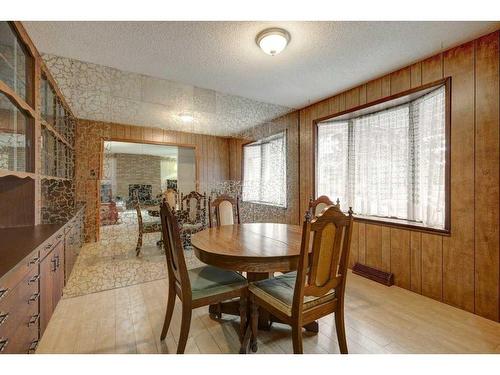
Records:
x=49, y=245
x=22, y=315
x=9, y=281
x=19, y=317
x=23, y=341
x=22, y=292
x=72, y=223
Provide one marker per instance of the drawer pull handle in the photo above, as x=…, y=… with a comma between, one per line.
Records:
x=3, y=344
x=33, y=346
x=3, y=317
x=48, y=246
x=57, y=261
x=59, y=236
x=54, y=264
x=33, y=261
x=33, y=319
x=34, y=298
x=34, y=279
x=3, y=292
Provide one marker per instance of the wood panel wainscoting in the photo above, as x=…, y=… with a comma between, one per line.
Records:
x=212, y=159
x=462, y=268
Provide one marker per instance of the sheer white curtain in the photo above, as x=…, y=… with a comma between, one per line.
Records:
x=389, y=163
x=428, y=119
x=264, y=171
x=252, y=178
x=380, y=146
x=332, y=164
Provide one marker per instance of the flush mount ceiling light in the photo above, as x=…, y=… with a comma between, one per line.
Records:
x=272, y=41
x=186, y=117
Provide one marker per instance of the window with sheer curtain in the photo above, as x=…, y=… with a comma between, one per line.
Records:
x=390, y=163
x=264, y=171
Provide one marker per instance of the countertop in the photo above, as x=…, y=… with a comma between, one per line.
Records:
x=17, y=243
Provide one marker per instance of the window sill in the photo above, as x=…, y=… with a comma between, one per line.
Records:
x=265, y=204
x=400, y=223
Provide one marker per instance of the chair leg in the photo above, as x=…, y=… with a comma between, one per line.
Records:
x=168, y=314
x=297, y=338
x=254, y=324
x=244, y=328
x=340, y=327
x=139, y=244
x=185, y=325
x=243, y=315
x=219, y=310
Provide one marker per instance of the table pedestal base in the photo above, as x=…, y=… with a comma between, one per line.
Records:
x=265, y=318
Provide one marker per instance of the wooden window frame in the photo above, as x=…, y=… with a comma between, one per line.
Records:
x=388, y=102
x=285, y=132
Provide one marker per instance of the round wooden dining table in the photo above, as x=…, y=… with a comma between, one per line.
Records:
x=258, y=249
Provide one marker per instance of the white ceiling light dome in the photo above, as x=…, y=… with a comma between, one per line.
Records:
x=186, y=117
x=273, y=40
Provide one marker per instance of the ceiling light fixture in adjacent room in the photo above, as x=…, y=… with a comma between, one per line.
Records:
x=272, y=41
x=186, y=117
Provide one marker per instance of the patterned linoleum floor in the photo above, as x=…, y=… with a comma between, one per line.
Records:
x=112, y=263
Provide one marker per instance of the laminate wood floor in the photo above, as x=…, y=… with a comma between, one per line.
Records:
x=378, y=320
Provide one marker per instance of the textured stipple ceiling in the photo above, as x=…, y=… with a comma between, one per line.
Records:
x=323, y=57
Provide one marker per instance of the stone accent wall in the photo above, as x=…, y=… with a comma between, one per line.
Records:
x=137, y=169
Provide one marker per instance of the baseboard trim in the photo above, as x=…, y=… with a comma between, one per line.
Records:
x=374, y=274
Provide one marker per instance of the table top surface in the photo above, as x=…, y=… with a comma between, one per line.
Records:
x=259, y=247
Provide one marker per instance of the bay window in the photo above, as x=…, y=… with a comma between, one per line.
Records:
x=388, y=162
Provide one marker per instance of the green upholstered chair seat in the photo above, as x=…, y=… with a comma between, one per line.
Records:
x=191, y=228
x=278, y=292
x=152, y=226
x=207, y=281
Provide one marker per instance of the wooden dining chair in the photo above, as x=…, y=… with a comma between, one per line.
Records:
x=317, y=288
x=144, y=227
x=223, y=210
x=192, y=215
x=197, y=287
x=170, y=195
x=316, y=206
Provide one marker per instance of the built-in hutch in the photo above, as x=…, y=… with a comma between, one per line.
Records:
x=41, y=224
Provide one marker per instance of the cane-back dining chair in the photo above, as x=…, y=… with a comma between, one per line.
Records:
x=317, y=288
x=144, y=227
x=171, y=196
x=223, y=210
x=316, y=206
x=195, y=287
x=193, y=214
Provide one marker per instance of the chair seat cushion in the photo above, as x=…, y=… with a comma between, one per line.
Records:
x=278, y=292
x=208, y=281
x=152, y=226
x=191, y=228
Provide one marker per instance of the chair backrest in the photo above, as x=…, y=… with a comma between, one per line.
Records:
x=323, y=263
x=318, y=205
x=139, y=215
x=171, y=197
x=176, y=264
x=195, y=205
x=226, y=211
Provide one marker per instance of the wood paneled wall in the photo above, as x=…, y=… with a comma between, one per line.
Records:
x=461, y=269
x=212, y=157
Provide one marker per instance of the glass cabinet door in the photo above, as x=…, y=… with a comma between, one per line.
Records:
x=15, y=63
x=16, y=134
